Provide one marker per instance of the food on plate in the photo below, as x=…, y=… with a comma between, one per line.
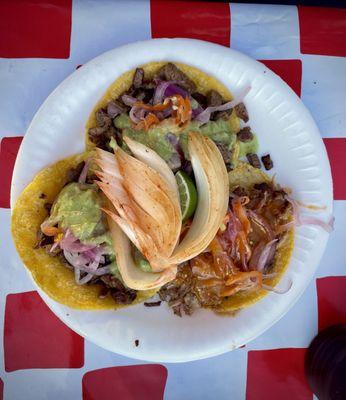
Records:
x=144, y=206
x=62, y=236
x=248, y=255
x=169, y=198
x=158, y=105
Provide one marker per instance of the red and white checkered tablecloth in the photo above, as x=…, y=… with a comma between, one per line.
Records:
x=42, y=42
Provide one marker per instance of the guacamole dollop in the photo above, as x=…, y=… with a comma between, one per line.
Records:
x=221, y=131
x=78, y=208
x=248, y=147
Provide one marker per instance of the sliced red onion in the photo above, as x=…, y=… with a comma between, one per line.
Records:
x=327, y=226
x=83, y=175
x=137, y=114
x=265, y=255
x=174, y=89
x=128, y=100
x=160, y=90
x=102, y=271
x=256, y=254
x=233, y=228
x=84, y=280
x=75, y=259
x=113, y=109
x=70, y=243
x=54, y=246
x=276, y=290
x=196, y=111
x=307, y=220
x=204, y=116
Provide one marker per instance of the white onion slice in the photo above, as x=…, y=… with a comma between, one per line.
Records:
x=213, y=192
x=133, y=277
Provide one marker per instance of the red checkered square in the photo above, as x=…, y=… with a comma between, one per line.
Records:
x=135, y=382
x=331, y=295
x=8, y=152
x=336, y=148
x=322, y=31
x=277, y=374
x=1, y=389
x=197, y=20
x=35, y=338
x=35, y=28
x=289, y=70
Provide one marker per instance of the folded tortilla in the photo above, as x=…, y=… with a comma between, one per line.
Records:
x=49, y=273
x=246, y=176
x=203, y=81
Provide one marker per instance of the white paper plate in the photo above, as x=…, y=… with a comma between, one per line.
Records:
x=285, y=129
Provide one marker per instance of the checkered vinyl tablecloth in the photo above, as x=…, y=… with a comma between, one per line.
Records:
x=42, y=42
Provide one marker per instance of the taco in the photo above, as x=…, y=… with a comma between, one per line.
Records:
x=62, y=236
x=159, y=103
x=247, y=257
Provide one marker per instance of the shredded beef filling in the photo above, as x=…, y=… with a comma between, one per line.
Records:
x=194, y=288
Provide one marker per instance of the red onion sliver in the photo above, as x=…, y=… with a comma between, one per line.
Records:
x=262, y=261
x=276, y=290
x=174, y=89
x=160, y=90
x=128, y=100
x=84, y=173
x=54, y=246
x=308, y=220
x=327, y=226
x=137, y=114
x=204, y=116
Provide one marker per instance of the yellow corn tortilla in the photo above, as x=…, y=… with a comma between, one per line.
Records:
x=246, y=176
x=204, y=84
x=49, y=272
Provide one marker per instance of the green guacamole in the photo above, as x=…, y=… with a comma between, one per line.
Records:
x=156, y=137
x=78, y=208
x=248, y=147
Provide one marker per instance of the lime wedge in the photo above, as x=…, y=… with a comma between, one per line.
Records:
x=187, y=193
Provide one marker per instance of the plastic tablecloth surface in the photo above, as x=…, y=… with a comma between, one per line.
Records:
x=42, y=42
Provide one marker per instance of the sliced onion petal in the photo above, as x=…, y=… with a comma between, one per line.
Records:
x=133, y=277
x=213, y=190
x=146, y=201
x=153, y=160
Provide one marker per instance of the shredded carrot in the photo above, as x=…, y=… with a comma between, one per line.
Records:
x=147, y=122
x=240, y=276
x=50, y=230
x=149, y=107
x=241, y=281
x=182, y=109
x=240, y=212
